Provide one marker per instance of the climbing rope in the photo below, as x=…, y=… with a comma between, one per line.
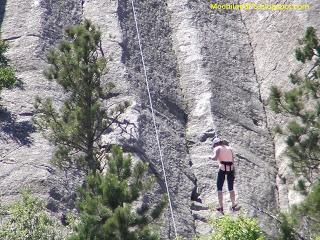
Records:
x=154, y=119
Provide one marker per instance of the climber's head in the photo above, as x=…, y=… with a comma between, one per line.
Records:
x=216, y=141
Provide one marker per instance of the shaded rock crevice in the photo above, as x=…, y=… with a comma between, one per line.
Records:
x=165, y=90
x=17, y=129
x=256, y=77
x=264, y=106
x=82, y=8
x=20, y=36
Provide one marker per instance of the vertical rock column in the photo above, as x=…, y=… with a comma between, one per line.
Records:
x=197, y=93
x=25, y=154
x=274, y=36
x=104, y=14
x=237, y=108
x=125, y=70
x=220, y=85
x=30, y=28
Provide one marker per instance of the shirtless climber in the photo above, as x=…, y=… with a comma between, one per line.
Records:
x=224, y=155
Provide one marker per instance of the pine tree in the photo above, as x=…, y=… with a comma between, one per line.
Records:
x=7, y=75
x=302, y=221
x=106, y=202
x=78, y=64
x=309, y=211
x=302, y=103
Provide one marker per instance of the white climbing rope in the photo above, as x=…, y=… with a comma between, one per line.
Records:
x=154, y=119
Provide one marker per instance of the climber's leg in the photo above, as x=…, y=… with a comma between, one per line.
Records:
x=220, y=198
x=232, y=197
x=220, y=181
x=230, y=179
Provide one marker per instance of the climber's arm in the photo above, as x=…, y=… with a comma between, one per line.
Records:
x=233, y=159
x=216, y=153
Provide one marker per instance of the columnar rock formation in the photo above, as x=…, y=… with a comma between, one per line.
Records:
x=209, y=72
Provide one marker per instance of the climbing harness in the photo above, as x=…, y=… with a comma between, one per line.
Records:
x=225, y=164
x=153, y=118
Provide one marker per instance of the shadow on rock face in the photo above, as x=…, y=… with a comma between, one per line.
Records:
x=2, y=10
x=17, y=131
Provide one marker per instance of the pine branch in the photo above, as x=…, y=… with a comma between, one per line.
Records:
x=105, y=128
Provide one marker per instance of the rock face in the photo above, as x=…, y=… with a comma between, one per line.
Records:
x=209, y=73
x=31, y=27
x=274, y=36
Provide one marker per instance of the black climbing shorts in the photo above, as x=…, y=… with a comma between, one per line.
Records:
x=221, y=177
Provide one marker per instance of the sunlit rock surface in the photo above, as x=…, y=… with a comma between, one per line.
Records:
x=209, y=72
